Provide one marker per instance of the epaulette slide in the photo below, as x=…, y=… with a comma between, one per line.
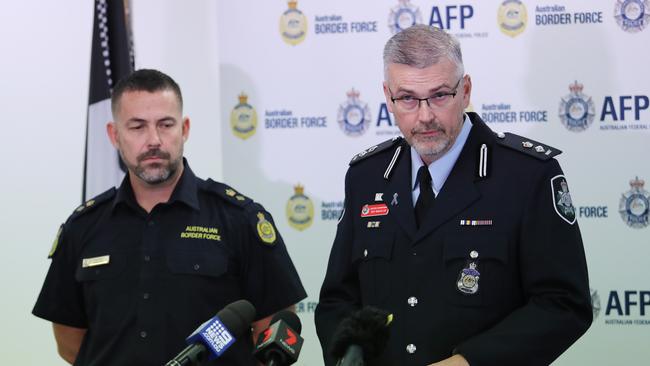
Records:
x=527, y=146
x=228, y=193
x=376, y=149
x=92, y=203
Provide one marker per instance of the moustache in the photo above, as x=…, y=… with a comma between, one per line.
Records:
x=154, y=153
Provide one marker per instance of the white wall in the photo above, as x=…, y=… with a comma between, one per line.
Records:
x=44, y=68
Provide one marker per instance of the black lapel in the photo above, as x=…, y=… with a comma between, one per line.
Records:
x=460, y=188
x=401, y=206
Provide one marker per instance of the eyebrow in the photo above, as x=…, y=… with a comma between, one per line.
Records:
x=431, y=91
x=141, y=120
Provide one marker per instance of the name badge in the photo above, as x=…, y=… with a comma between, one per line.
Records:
x=95, y=261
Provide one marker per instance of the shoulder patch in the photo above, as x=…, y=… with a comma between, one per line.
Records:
x=228, y=193
x=376, y=149
x=92, y=203
x=527, y=146
x=55, y=243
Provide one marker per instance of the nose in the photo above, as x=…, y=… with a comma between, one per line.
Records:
x=425, y=113
x=153, y=137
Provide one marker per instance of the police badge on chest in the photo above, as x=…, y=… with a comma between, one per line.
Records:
x=468, y=277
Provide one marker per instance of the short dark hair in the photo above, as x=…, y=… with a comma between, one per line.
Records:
x=149, y=80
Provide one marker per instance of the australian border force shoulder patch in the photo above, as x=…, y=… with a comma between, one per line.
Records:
x=562, y=199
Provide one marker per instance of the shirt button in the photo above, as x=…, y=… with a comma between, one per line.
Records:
x=147, y=258
x=145, y=295
x=143, y=334
x=413, y=301
x=411, y=348
x=196, y=267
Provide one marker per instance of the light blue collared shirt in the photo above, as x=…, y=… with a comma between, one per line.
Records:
x=440, y=168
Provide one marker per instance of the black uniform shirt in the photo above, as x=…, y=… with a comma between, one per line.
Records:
x=503, y=217
x=141, y=283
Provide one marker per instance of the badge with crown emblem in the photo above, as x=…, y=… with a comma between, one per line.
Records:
x=265, y=229
x=354, y=115
x=576, y=109
x=512, y=17
x=562, y=199
x=632, y=15
x=634, y=205
x=468, y=279
x=403, y=16
x=293, y=24
x=300, y=209
x=243, y=118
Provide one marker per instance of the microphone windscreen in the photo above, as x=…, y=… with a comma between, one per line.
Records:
x=290, y=318
x=237, y=317
x=367, y=328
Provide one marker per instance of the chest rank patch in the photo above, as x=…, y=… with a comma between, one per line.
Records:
x=562, y=199
x=201, y=232
x=265, y=229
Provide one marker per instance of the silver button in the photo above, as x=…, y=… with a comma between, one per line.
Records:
x=196, y=267
x=365, y=252
x=412, y=301
x=501, y=135
x=411, y=348
x=143, y=334
x=473, y=254
x=539, y=148
x=527, y=144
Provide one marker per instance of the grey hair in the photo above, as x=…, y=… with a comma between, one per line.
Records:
x=421, y=46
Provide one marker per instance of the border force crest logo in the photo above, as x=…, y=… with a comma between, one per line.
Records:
x=300, y=209
x=512, y=17
x=562, y=199
x=293, y=24
x=632, y=15
x=354, y=115
x=243, y=118
x=635, y=204
x=576, y=109
x=265, y=229
x=403, y=16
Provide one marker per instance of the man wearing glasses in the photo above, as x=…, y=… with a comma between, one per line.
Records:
x=463, y=234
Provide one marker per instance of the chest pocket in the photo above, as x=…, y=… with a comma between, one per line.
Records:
x=373, y=254
x=206, y=260
x=491, y=262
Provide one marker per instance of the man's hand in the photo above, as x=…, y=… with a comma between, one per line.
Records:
x=455, y=360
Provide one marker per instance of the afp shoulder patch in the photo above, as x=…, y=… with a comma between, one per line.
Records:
x=562, y=199
x=92, y=203
x=228, y=193
x=376, y=149
x=527, y=146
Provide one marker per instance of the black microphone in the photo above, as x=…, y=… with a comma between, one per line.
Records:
x=213, y=337
x=361, y=337
x=280, y=343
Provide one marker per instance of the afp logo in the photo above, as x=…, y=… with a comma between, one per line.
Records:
x=403, y=16
x=576, y=109
x=300, y=209
x=243, y=118
x=635, y=204
x=354, y=115
x=632, y=15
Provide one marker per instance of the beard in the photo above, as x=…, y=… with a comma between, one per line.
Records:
x=155, y=173
x=429, y=147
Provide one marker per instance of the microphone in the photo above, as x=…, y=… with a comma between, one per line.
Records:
x=361, y=337
x=213, y=337
x=280, y=343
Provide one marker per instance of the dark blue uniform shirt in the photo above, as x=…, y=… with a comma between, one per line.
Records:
x=142, y=282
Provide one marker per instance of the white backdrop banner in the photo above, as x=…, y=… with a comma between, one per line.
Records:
x=301, y=94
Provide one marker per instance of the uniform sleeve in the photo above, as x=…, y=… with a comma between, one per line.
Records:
x=61, y=298
x=554, y=278
x=271, y=282
x=340, y=294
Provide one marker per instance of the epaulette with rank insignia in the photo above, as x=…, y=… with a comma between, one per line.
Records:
x=92, y=203
x=228, y=193
x=527, y=146
x=376, y=149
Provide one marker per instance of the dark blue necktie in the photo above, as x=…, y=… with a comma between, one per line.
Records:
x=426, y=198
